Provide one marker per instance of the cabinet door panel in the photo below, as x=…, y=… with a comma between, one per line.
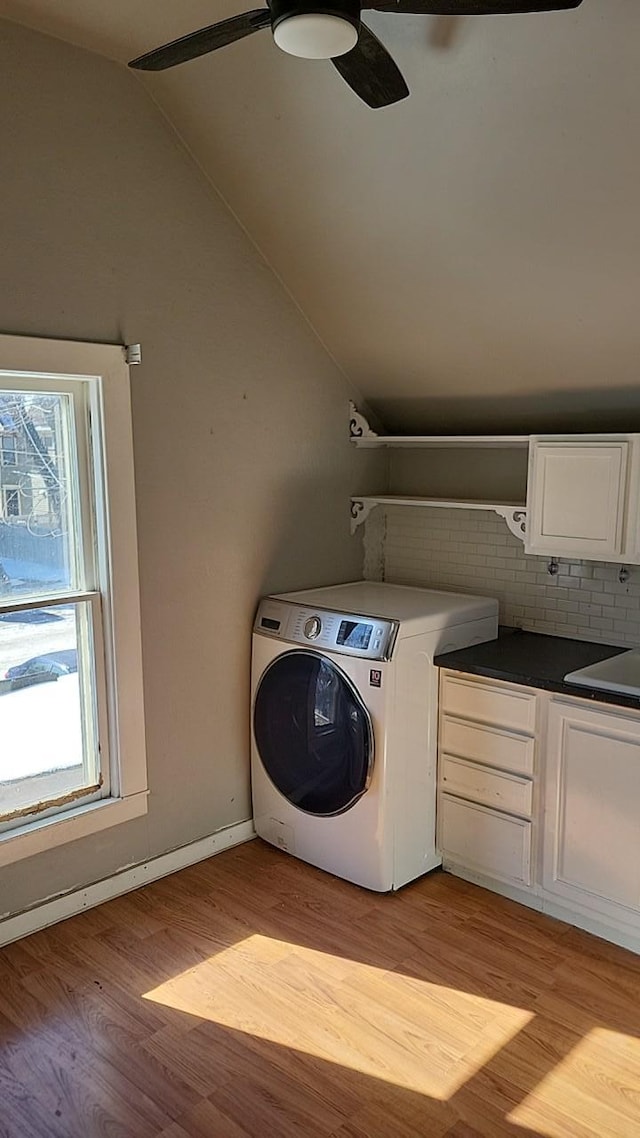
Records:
x=592, y=842
x=485, y=840
x=577, y=498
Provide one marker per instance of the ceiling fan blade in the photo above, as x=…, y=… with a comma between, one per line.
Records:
x=370, y=71
x=203, y=41
x=470, y=7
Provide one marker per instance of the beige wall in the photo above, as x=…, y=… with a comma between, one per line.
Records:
x=498, y=475
x=243, y=468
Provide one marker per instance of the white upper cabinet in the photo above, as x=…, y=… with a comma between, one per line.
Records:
x=580, y=499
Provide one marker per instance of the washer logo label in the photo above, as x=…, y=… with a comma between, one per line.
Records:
x=375, y=677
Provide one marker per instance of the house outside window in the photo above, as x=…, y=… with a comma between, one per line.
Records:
x=71, y=718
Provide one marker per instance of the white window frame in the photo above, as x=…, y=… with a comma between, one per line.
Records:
x=104, y=367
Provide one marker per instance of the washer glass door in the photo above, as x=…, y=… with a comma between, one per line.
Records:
x=313, y=733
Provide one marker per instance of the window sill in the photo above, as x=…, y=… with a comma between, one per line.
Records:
x=44, y=835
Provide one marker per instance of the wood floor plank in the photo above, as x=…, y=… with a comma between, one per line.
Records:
x=252, y=996
x=389, y=1110
x=67, y=1090
x=572, y=1079
x=92, y=1008
x=259, y=1105
x=502, y=980
x=462, y=1130
x=17, y=961
x=194, y=1059
x=114, y=1036
x=207, y=1121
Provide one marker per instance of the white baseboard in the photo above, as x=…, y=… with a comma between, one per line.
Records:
x=40, y=917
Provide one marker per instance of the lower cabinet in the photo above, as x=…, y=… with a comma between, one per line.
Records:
x=486, y=778
x=539, y=798
x=592, y=815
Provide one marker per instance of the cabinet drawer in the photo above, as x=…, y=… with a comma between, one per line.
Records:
x=506, y=707
x=487, y=745
x=505, y=791
x=485, y=840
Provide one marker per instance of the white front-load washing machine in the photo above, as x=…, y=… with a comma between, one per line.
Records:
x=344, y=723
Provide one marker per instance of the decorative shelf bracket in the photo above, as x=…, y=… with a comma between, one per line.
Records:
x=515, y=519
x=358, y=425
x=360, y=511
x=514, y=516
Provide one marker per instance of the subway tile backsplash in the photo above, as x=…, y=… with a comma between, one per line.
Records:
x=472, y=551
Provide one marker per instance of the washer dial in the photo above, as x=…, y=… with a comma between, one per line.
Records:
x=312, y=627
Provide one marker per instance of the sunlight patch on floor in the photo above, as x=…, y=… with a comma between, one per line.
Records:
x=422, y=1036
x=601, y=1071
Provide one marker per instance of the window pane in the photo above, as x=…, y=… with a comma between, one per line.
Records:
x=48, y=723
x=8, y=454
x=40, y=536
x=12, y=503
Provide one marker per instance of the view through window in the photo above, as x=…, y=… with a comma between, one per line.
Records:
x=51, y=695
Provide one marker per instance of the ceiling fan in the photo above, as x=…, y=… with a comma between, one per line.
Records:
x=316, y=30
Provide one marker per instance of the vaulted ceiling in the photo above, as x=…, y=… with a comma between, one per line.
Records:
x=470, y=256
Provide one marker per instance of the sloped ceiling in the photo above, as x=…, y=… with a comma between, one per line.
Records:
x=470, y=256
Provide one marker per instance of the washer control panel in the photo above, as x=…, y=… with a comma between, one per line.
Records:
x=348, y=633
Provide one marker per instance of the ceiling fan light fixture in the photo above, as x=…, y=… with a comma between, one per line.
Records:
x=315, y=35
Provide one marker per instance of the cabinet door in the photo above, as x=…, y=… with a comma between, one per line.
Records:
x=576, y=498
x=592, y=824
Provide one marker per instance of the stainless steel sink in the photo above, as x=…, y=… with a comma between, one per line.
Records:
x=619, y=673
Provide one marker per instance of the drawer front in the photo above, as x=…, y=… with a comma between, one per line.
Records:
x=506, y=707
x=487, y=745
x=470, y=780
x=484, y=840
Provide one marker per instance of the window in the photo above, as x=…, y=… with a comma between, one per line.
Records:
x=9, y=450
x=71, y=718
x=12, y=503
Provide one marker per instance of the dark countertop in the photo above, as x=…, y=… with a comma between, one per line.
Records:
x=537, y=661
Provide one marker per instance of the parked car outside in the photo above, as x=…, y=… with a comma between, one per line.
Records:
x=40, y=669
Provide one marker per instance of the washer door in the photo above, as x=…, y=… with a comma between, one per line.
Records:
x=313, y=733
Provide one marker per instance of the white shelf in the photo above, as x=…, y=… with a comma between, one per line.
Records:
x=362, y=436
x=514, y=513
x=451, y=442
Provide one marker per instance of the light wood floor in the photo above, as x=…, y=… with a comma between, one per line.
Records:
x=252, y=995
